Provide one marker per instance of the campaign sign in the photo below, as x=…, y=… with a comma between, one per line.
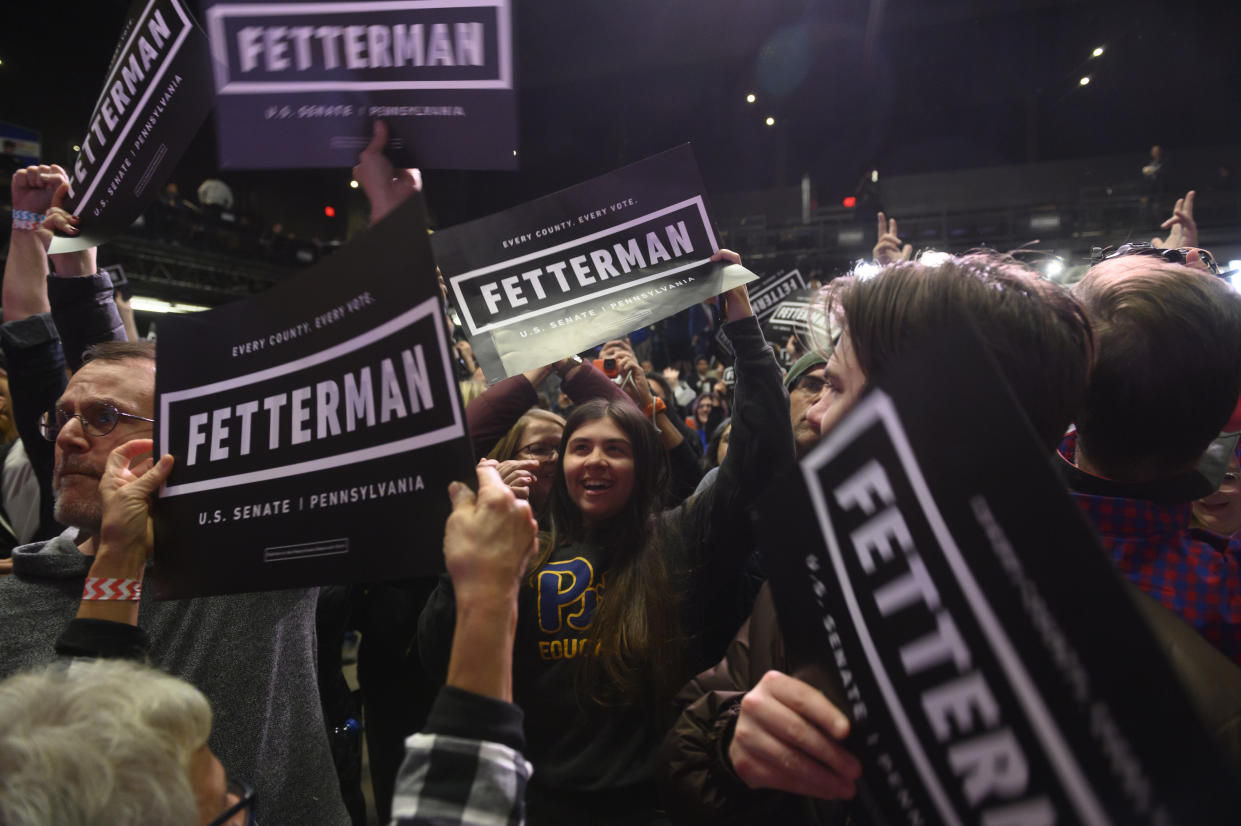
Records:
x=156, y=94
x=315, y=426
x=796, y=314
x=934, y=579
x=587, y=264
x=767, y=294
x=299, y=84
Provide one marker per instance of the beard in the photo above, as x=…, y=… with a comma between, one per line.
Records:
x=78, y=503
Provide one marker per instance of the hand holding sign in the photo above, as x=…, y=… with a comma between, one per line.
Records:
x=127, y=492
x=385, y=186
x=488, y=541
x=58, y=220
x=788, y=738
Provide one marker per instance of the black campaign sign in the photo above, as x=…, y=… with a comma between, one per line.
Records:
x=156, y=94
x=767, y=294
x=300, y=83
x=584, y=265
x=315, y=427
x=933, y=578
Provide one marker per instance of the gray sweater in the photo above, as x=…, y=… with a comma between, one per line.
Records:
x=253, y=655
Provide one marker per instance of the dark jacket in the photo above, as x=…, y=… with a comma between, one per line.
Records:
x=602, y=757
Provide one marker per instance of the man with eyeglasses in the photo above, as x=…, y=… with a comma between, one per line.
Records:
x=252, y=655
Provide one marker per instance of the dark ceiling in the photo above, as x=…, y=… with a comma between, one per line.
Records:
x=902, y=85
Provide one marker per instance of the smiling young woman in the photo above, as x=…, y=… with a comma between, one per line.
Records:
x=612, y=615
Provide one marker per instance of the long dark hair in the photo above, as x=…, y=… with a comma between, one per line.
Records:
x=636, y=630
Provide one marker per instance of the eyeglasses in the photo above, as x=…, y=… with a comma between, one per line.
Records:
x=98, y=419
x=244, y=793
x=544, y=453
x=1176, y=256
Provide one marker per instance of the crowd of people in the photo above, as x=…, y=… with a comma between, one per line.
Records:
x=603, y=647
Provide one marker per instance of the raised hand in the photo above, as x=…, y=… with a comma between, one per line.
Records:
x=488, y=540
x=32, y=188
x=1183, y=228
x=888, y=249
x=633, y=380
x=386, y=187
x=518, y=474
x=59, y=220
x=788, y=738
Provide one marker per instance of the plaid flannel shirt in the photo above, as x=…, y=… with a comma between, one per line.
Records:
x=465, y=767
x=1152, y=545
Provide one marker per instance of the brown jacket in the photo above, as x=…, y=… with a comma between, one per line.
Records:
x=697, y=782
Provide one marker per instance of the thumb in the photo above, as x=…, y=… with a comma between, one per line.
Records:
x=379, y=138
x=461, y=495
x=58, y=198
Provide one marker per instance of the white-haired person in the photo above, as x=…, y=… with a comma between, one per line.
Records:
x=110, y=741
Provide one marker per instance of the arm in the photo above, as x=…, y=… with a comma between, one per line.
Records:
x=488, y=541
x=761, y=445
x=107, y=618
x=36, y=365
x=32, y=191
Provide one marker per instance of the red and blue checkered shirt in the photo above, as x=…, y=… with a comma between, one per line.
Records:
x=1151, y=543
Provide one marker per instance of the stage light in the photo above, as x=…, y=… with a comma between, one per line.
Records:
x=750, y=98
x=1098, y=52
x=1234, y=265
x=514, y=153
x=353, y=184
x=1054, y=267
x=933, y=258
x=329, y=211
x=874, y=176
x=850, y=202
x=1085, y=81
x=154, y=305
x=771, y=121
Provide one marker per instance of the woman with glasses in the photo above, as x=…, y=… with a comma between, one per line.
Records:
x=527, y=456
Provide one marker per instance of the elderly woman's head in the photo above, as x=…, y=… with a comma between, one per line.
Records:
x=108, y=742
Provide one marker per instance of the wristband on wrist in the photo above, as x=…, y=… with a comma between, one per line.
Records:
x=110, y=589
x=24, y=219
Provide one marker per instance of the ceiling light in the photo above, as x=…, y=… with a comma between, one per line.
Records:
x=1054, y=267
x=77, y=148
x=771, y=121
x=353, y=184
x=1085, y=81
x=1098, y=52
x=750, y=98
